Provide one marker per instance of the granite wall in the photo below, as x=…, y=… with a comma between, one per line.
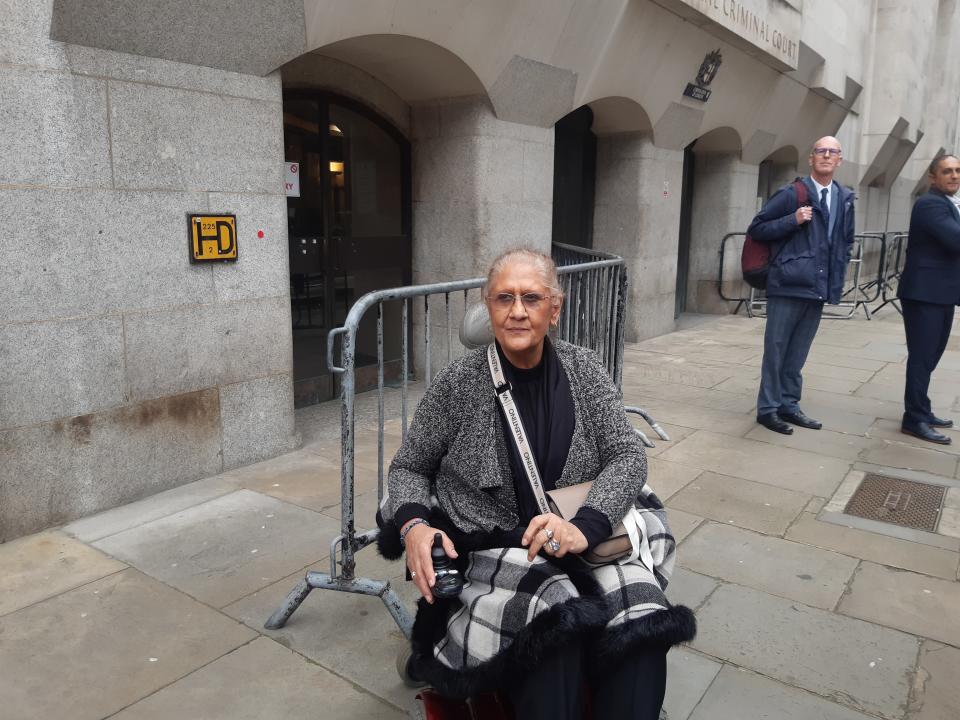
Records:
x=637, y=216
x=125, y=369
x=481, y=185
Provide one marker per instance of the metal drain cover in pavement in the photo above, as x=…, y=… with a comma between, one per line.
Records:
x=901, y=502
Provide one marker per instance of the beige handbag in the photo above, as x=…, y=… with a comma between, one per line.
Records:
x=566, y=502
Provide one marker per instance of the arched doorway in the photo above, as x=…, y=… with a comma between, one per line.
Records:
x=776, y=170
x=574, y=178
x=683, y=243
x=348, y=223
x=720, y=197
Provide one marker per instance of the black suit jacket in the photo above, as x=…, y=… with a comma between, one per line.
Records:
x=932, y=270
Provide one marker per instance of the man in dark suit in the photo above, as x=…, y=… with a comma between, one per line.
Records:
x=929, y=290
x=810, y=249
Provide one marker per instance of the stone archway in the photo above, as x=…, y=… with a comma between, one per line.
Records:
x=723, y=200
x=776, y=170
x=480, y=183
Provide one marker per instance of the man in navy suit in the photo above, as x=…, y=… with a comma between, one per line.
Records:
x=810, y=249
x=929, y=290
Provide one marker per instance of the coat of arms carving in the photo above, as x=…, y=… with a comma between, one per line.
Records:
x=708, y=68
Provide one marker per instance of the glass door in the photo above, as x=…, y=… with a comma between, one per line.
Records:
x=349, y=229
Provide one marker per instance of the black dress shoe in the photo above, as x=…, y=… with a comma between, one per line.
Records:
x=772, y=421
x=799, y=418
x=925, y=432
x=934, y=421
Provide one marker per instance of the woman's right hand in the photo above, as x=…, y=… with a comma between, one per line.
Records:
x=419, y=541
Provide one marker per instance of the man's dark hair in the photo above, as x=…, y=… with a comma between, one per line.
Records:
x=935, y=164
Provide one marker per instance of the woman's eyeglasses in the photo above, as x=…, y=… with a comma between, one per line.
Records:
x=505, y=300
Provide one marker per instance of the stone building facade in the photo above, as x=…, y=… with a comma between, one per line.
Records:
x=125, y=369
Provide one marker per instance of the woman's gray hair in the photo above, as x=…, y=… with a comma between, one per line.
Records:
x=543, y=263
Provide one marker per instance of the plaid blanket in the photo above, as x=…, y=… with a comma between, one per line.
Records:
x=513, y=612
x=660, y=547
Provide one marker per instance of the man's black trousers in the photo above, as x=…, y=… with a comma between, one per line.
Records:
x=927, y=326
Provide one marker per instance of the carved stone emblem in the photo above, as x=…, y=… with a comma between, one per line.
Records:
x=708, y=68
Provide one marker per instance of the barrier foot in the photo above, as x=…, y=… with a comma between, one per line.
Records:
x=398, y=611
x=289, y=606
x=890, y=301
x=359, y=586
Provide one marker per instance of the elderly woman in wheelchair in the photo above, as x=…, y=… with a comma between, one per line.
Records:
x=521, y=458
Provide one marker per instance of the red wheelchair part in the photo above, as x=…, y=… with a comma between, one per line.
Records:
x=489, y=706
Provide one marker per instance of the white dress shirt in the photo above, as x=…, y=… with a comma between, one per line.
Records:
x=820, y=188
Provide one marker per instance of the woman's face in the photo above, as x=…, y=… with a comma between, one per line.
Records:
x=521, y=325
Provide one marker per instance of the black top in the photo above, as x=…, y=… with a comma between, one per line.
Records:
x=545, y=403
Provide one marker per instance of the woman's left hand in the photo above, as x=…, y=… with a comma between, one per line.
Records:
x=549, y=527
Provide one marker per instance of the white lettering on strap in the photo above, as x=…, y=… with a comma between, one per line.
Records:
x=516, y=426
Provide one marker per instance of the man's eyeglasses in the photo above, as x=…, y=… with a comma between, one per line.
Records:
x=505, y=300
x=827, y=152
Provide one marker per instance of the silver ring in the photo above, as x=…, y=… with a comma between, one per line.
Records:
x=413, y=573
x=548, y=532
x=554, y=545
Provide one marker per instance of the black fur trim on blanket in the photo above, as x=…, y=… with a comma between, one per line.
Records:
x=547, y=632
x=664, y=628
x=578, y=619
x=388, y=541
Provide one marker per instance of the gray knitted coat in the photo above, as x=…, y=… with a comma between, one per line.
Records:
x=455, y=446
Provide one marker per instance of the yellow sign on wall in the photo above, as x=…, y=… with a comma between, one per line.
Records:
x=212, y=237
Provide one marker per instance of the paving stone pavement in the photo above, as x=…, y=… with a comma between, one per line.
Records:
x=156, y=609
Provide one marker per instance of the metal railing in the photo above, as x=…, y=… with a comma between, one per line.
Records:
x=874, y=245
x=594, y=285
x=869, y=249
x=731, y=246
x=893, y=260
x=757, y=303
x=592, y=316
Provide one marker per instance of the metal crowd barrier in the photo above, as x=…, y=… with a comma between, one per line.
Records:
x=731, y=246
x=595, y=286
x=757, y=304
x=874, y=244
x=894, y=259
x=858, y=292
